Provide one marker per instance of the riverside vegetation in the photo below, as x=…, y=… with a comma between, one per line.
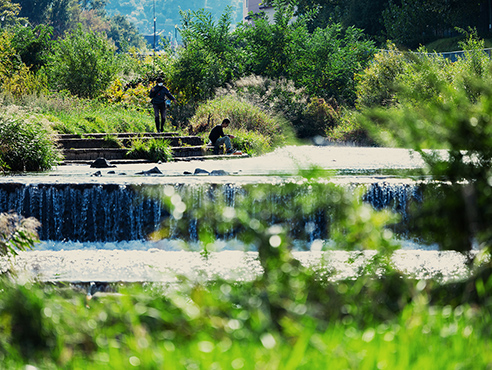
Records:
x=289, y=317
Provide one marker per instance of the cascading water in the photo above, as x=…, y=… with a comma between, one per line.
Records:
x=108, y=213
x=94, y=227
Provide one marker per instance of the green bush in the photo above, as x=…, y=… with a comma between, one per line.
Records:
x=25, y=144
x=309, y=117
x=250, y=142
x=394, y=76
x=348, y=130
x=244, y=117
x=274, y=97
x=153, y=149
x=317, y=118
x=451, y=129
x=82, y=63
x=376, y=84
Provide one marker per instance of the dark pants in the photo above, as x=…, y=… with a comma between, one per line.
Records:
x=160, y=109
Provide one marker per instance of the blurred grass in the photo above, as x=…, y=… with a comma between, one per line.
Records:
x=149, y=328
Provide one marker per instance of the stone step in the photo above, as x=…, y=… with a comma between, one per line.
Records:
x=78, y=143
x=121, y=153
x=118, y=135
x=115, y=146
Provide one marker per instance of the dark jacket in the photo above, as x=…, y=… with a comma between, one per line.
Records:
x=216, y=132
x=159, y=94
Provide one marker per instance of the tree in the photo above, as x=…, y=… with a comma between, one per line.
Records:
x=124, y=34
x=63, y=16
x=327, y=12
x=367, y=16
x=209, y=58
x=36, y=11
x=33, y=45
x=9, y=14
x=98, y=6
x=329, y=61
x=83, y=63
x=323, y=62
x=272, y=49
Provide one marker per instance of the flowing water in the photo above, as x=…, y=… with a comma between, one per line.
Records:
x=95, y=222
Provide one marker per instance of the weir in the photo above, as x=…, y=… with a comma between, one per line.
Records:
x=112, y=212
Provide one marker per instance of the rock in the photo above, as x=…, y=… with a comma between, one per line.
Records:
x=101, y=163
x=153, y=171
x=187, y=173
x=200, y=171
x=97, y=174
x=219, y=173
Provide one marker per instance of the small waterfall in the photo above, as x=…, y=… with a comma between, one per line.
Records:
x=107, y=213
x=84, y=212
x=396, y=197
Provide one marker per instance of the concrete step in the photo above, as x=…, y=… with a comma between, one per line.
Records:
x=79, y=143
x=115, y=147
x=119, y=135
x=121, y=153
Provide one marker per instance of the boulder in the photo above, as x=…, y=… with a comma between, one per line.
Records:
x=199, y=171
x=153, y=171
x=101, y=163
x=219, y=173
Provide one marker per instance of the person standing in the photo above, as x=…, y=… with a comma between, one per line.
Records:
x=218, y=138
x=159, y=94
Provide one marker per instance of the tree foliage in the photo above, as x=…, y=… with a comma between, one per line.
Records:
x=83, y=63
x=124, y=34
x=208, y=58
x=447, y=121
x=33, y=45
x=9, y=14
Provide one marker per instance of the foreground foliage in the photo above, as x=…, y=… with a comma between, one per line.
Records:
x=290, y=316
x=226, y=325
x=447, y=121
x=17, y=233
x=25, y=143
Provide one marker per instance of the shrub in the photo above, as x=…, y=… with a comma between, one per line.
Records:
x=17, y=233
x=152, y=149
x=349, y=130
x=25, y=83
x=318, y=117
x=309, y=116
x=82, y=63
x=395, y=76
x=452, y=133
x=250, y=142
x=130, y=97
x=244, y=117
x=376, y=84
x=25, y=144
x=274, y=97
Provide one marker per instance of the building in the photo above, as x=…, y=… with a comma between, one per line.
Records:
x=256, y=6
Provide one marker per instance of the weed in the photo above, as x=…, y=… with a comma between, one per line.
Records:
x=153, y=149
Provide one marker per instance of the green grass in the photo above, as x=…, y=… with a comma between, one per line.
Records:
x=70, y=115
x=199, y=328
x=94, y=117
x=152, y=149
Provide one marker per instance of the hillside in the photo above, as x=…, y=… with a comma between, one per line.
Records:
x=141, y=12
